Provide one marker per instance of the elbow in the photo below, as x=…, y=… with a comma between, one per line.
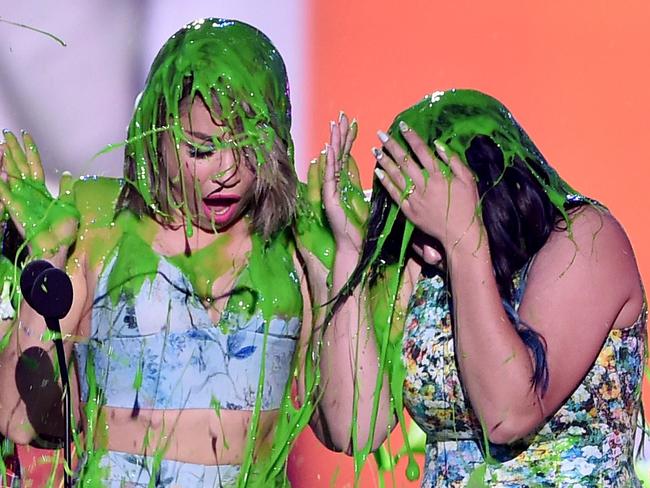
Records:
x=19, y=434
x=368, y=438
x=512, y=429
x=333, y=435
x=338, y=438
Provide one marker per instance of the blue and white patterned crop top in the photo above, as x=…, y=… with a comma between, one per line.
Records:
x=161, y=350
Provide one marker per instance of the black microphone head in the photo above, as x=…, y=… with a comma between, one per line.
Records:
x=51, y=294
x=29, y=275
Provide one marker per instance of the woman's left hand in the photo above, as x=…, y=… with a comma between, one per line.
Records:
x=439, y=196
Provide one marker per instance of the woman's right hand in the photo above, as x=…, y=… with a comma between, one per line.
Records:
x=343, y=199
x=48, y=224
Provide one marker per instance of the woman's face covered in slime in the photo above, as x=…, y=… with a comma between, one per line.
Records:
x=212, y=180
x=487, y=138
x=209, y=138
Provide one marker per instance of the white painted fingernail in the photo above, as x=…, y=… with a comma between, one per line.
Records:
x=402, y=126
x=439, y=146
x=383, y=137
x=378, y=153
x=380, y=173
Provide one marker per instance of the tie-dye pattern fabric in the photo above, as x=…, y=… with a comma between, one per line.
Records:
x=588, y=442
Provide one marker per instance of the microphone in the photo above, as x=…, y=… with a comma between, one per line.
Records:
x=48, y=290
x=29, y=275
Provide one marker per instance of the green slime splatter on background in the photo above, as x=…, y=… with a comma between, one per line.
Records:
x=40, y=31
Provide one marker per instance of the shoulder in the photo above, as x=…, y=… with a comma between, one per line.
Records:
x=591, y=235
x=95, y=197
x=590, y=253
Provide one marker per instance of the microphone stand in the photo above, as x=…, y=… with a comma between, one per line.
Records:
x=48, y=290
x=53, y=324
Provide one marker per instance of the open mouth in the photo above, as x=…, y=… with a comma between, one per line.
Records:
x=220, y=207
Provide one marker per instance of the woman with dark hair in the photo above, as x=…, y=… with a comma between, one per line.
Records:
x=189, y=295
x=511, y=307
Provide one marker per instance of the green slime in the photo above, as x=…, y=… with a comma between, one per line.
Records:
x=234, y=68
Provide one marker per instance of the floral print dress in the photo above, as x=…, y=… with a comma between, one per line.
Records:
x=588, y=442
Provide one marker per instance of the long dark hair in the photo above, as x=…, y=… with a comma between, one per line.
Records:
x=522, y=198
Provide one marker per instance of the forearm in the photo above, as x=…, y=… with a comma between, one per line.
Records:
x=495, y=365
x=350, y=370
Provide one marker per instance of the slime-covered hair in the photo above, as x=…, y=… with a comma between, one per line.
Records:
x=235, y=69
x=522, y=199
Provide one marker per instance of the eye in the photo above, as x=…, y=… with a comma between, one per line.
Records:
x=200, y=150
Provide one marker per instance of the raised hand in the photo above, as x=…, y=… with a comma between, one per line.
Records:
x=439, y=195
x=47, y=224
x=333, y=210
x=342, y=196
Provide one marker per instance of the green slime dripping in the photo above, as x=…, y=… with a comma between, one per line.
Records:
x=238, y=72
x=228, y=62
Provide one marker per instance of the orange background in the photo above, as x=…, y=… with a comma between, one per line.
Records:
x=575, y=73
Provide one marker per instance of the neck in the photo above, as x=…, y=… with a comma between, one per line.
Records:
x=178, y=238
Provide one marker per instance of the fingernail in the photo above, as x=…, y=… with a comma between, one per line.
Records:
x=403, y=126
x=66, y=173
x=332, y=124
x=341, y=115
x=378, y=153
x=380, y=173
x=439, y=146
x=5, y=131
x=313, y=161
x=383, y=137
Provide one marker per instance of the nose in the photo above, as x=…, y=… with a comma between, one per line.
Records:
x=225, y=174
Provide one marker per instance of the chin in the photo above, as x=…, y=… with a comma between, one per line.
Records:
x=212, y=225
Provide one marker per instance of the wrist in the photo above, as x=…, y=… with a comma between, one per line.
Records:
x=346, y=259
x=470, y=260
x=56, y=257
x=472, y=241
x=347, y=255
x=340, y=276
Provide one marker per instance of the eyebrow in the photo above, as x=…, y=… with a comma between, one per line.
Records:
x=201, y=135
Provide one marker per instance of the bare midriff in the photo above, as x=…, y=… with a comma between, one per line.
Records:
x=198, y=436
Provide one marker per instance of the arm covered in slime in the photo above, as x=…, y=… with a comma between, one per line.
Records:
x=354, y=410
x=30, y=405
